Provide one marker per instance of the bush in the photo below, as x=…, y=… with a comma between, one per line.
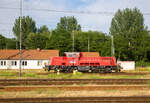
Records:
x=142, y=64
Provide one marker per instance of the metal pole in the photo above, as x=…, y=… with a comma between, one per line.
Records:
x=112, y=46
x=20, y=53
x=88, y=44
x=73, y=41
x=16, y=45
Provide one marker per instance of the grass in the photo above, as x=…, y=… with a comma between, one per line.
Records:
x=13, y=74
x=143, y=69
x=33, y=75
x=7, y=74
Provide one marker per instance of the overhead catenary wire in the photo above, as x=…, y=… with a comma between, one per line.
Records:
x=65, y=11
x=68, y=11
x=9, y=3
x=62, y=11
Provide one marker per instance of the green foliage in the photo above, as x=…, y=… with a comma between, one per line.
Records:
x=7, y=43
x=43, y=28
x=60, y=40
x=131, y=37
x=35, y=41
x=11, y=43
x=68, y=23
x=98, y=42
x=2, y=42
x=142, y=64
x=28, y=26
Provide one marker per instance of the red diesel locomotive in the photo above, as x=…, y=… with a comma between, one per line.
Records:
x=75, y=61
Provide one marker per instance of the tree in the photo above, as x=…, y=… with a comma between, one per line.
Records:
x=28, y=26
x=35, y=41
x=43, y=28
x=11, y=43
x=98, y=42
x=129, y=33
x=60, y=40
x=2, y=42
x=68, y=23
x=7, y=43
x=61, y=37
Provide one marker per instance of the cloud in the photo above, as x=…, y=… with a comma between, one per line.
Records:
x=103, y=22
x=7, y=17
x=100, y=22
x=42, y=17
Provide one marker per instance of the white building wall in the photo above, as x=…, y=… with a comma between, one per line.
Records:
x=127, y=65
x=31, y=64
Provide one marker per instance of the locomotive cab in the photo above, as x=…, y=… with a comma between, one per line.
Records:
x=72, y=59
x=72, y=54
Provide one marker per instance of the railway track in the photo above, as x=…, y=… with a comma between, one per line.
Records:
x=141, y=99
x=75, y=88
x=112, y=73
x=15, y=82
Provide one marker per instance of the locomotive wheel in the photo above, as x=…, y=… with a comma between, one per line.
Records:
x=70, y=70
x=76, y=68
x=107, y=70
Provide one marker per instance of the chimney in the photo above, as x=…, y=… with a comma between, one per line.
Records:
x=38, y=49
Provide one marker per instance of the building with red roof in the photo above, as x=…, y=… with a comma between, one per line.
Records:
x=31, y=59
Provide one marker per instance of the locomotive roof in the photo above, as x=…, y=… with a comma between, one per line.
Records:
x=86, y=54
x=90, y=54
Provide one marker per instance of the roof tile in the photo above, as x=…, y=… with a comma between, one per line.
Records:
x=28, y=54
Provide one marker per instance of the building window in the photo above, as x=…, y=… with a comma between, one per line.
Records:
x=24, y=63
x=3, y=63
x=39, y=63
x=14, y=63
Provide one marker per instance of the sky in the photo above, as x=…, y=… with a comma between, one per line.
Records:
x=88, y=21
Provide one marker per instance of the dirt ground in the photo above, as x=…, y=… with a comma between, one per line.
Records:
x=75, y=91
x=60, y=93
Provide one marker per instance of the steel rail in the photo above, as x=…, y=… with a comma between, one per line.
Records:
x=12, y=82
x=138, y=99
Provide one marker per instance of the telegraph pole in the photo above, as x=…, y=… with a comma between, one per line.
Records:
x=88, y=44
x=73, y=41
x=20, y=52
x=112, y=46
